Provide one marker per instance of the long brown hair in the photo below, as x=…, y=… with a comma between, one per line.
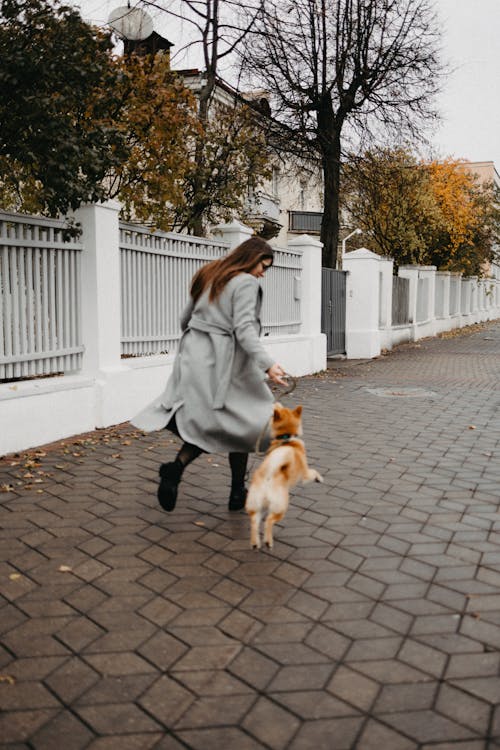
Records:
x=218, y=273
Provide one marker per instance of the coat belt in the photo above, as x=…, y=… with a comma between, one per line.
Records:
x=224, y=347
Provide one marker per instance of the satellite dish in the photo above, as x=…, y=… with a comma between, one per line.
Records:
x=131, y=23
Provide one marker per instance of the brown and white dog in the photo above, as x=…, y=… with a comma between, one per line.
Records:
x=284, y=465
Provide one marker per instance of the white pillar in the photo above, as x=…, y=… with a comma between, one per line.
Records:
x=386, y=271
x=100, y=285
x=233, y=233
x=310, y=298
x=101, y=309
x=310, y=285
x=362, y=304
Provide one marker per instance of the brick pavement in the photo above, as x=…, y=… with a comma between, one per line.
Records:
x=373, y=624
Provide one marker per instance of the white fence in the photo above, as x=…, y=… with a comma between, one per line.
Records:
x=101, y=317
x=156, y=269
x=434, y=302
x=40, y=329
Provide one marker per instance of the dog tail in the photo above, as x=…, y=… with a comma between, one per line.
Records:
x=278, y=462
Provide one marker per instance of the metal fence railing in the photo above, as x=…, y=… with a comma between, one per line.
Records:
x=455, y=287
x=400, y=301
x=40, y=298
x=156, y=270
x=422, y=300
x=281, y=307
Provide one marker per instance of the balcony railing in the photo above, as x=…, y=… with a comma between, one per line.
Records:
x=264, y=206
x=305, y=221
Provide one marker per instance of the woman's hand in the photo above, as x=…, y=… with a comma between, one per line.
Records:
x=276, y=373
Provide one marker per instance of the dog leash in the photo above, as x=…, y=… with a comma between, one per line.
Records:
x=281, y=393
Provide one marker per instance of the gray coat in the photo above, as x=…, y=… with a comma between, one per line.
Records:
x=217, y=390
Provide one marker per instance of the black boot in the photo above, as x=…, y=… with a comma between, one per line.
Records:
x=237, y=497
x=170, y=476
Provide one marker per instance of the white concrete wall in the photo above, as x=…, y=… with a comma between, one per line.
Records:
x=369, y=328
x=110, y=390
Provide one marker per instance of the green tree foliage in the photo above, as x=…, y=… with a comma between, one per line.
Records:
x=430, y=213
x=158, y=120
x=58, y=106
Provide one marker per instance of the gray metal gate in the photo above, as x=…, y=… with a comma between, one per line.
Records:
x=333, y=295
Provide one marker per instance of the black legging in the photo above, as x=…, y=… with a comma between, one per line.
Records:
x=188, y=452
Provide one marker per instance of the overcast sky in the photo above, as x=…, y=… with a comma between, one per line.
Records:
x=470, y=102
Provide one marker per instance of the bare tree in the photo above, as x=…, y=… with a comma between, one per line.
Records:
x=339, y=67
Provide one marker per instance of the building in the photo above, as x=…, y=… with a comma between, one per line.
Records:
x=290, y=202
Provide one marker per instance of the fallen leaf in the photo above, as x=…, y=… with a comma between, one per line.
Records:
x=7, y=678
x=65, y=569
x=15, y=576
x=199, y=523
x=126, y=442
x=6, y=488
x=116, y=455
x=472, y=427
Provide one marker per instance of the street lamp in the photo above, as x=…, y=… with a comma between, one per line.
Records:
x=356, y=231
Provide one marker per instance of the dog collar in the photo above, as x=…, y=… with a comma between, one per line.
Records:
x=285, y=436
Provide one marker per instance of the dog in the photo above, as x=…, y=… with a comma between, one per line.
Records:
x=284, y=465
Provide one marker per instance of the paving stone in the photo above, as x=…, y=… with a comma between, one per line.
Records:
x=376, y=736
x=464, y=709
x=17, y=726
x=65, y=725
x=319, y=734
x=24, y=695
x=212, y=711
x=313, y=704
x=473, y=665
x=217, y=738
x=271, y=724
x=117, y=718
x=132, y=742
x=354, y=688
x=427, y=726
x=72, y=679
x=119, y=664
x=253, y=668
x=215, y=682
x=401, y=697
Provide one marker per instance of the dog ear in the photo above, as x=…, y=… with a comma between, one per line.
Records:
x=277, y=411
x=298, y=411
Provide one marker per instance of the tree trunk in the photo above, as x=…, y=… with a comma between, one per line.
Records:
x=197, y=224
x=329, y=139
x=330, y=224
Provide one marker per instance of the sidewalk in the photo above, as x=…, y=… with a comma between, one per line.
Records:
x=373, y=624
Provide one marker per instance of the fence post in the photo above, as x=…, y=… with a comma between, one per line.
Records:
x=362, y=304
x=101, y=308
x=100, y=285
x=310, y=284
x=233, y=233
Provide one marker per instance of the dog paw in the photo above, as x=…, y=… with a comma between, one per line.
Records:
x=318, y=478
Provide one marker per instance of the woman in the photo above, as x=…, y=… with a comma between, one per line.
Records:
x=216, y=399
